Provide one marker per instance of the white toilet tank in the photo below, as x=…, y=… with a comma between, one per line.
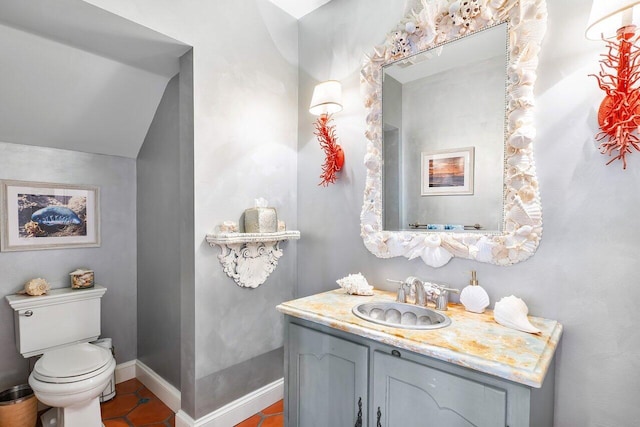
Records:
x=62, y=317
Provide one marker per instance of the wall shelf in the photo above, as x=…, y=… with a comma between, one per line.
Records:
x=249, y=258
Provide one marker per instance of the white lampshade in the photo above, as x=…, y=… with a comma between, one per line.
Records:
x=327, y=98
x=607, y=16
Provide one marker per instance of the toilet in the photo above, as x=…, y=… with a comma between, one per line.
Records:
x=72, y=373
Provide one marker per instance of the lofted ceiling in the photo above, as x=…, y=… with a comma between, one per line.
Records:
x=76, y=77
x=299, y=8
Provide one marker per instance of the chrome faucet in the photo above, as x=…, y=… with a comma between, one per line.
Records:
x=411, y=282
x=424, y=292
x=439, y=295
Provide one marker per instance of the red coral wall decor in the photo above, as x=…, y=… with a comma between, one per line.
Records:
x=326, y=100
x=612, y=21
x=334, y=156
x=619, y=113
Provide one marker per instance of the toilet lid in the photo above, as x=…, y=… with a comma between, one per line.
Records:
x=72, y=363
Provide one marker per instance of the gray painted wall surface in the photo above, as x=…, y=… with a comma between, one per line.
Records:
x=158, y=185
x=585, y=270
x=187, y=268
x=245, y=139
x=114, y=262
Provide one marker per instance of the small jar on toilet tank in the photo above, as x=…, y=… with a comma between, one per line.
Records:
x=82, y=279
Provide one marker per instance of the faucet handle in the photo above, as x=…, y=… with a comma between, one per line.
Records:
x=402, y=295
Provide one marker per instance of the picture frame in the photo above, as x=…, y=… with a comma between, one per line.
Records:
x=40, y=215
x=447, y=172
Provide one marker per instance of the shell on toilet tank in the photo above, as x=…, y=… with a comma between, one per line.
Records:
x=61, y=317
x=36, y=287
x=512, y=312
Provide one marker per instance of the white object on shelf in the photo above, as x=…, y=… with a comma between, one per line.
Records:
x=249, y=258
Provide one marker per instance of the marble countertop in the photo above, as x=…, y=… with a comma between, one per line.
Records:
x=472, y=340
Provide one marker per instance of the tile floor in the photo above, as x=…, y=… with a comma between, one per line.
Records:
x=135, y=406
x=269, y=417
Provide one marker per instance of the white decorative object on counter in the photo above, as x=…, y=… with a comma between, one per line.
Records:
x=512, y=312
x=474, y=298
x=355, y=284
x=249, y=258
x=36, y=287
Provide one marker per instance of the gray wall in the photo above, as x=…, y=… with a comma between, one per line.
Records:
x=585, y=271
x=113, y=262
x=245, y=124
x=159, y=211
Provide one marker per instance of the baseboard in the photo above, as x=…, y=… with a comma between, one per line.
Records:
x=229, y=415
x=166, y=392
x=238, y=410
x=125, y=371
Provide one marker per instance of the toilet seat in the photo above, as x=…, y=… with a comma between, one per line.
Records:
x=72, y=364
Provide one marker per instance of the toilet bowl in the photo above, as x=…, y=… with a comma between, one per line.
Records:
x=71, y=379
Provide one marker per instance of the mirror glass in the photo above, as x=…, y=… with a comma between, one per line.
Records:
x=443, y=119
x=450, y=124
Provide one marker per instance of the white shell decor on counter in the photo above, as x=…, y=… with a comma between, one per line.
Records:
x=428, y=26
x=36, y=287
x=474, y=298
x=512, y=312
x=355, y=284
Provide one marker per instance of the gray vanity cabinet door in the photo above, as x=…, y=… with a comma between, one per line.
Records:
x=327, y=380
x=410, y=395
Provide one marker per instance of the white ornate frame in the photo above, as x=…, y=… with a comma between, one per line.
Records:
x=438, y=22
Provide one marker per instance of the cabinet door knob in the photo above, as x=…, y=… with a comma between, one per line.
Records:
x=28, y=313
x=395, y=353
x=378, y=424
x=359, y=420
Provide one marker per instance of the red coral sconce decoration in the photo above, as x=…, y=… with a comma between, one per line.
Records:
x=619, y=112
x=326, y=100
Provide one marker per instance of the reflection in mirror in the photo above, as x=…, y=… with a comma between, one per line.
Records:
x=433, y=138
x=434, y=104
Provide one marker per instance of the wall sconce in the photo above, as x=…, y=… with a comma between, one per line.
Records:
x=326, y=100
x=619, y=112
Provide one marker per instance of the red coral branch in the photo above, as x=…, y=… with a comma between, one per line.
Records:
x=327, y=138
x=619, y=113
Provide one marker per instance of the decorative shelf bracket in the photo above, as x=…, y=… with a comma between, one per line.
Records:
x=249, y=258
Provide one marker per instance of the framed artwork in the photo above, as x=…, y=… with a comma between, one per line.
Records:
x=447, y=172
x=37, y=215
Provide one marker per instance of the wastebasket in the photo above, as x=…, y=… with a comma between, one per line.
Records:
x=109, y=391
x=18, y=407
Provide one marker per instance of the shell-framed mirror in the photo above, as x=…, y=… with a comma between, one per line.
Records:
x=411, y=179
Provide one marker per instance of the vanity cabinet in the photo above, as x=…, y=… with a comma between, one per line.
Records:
x=327, y=380
x=406, y=393
x=332, y=375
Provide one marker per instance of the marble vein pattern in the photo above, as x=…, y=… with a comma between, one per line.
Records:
x=472, y=340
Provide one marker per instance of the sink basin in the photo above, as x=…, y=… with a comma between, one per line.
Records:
x=399, y=315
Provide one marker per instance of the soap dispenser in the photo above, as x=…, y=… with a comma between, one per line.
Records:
x=474, y=298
